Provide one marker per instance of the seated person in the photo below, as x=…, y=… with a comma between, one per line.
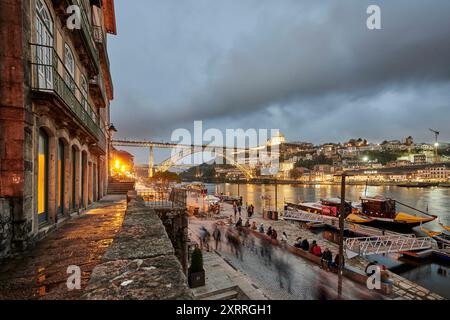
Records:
x=317, y=251
x=298, y=243
x=327, y=259
x=305, y=245
x=313, y=245
x=335, y=264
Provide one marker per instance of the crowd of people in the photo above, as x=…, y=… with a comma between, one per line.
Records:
x=235, y=239
x=326, y=261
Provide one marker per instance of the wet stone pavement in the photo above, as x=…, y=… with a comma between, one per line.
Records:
x=41, y=272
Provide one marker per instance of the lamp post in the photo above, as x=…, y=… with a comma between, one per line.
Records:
x=276, y=195
x=111, y=131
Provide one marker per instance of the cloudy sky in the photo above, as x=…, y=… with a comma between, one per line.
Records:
x=309, y=68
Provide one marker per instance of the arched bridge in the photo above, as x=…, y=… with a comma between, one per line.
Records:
x=185, y=150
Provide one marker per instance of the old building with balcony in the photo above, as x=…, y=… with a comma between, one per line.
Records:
x=55, y=93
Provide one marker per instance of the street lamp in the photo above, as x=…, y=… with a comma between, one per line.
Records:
x=341, y=232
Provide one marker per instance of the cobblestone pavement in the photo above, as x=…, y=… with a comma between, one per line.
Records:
x=307, y=280
x=403, y=288
x=41, y=273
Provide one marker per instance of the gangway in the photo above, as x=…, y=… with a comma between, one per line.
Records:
x=385, y=244
x=299, y=215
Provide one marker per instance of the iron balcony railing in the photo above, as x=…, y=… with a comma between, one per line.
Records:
x=49, y=74
x=100, y=38
x=173, y=198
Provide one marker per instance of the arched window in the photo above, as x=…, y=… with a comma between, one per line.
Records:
x=42, y=183
x=69, y=63
x=44, y=49
x=44, y=15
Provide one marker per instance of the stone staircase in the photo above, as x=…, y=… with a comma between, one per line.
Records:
x=230, y=293
x=120, y=187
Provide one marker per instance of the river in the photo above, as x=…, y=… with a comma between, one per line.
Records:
x=432, y=274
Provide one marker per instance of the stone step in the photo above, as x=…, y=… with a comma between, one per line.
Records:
x=205, y=295
x=228, y=295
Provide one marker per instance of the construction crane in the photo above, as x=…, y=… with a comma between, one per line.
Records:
x=436, y=144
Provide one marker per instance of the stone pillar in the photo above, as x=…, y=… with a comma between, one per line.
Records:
x=85, y=166
x=101, y=178
x=67, y=178
x=52, y=178
x=90, y=184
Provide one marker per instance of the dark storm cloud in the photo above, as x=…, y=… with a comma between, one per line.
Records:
x=300, y=66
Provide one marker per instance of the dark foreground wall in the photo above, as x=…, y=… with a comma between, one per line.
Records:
x=140, y=263
x=5, y=227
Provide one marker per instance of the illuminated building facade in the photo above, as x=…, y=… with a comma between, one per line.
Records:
x=56, y=89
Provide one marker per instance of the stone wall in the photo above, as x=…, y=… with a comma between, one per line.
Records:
x=176, y=223
x=141, y=263
x=5, y=228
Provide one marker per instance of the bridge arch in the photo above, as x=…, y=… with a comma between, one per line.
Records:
x=170, y=162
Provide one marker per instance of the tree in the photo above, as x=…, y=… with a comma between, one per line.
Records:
x=167, y=176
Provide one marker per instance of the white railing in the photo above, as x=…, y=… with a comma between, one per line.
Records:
x=299, y=215
x=387, y=244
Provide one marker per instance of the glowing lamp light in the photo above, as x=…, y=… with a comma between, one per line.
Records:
x=117, y=164
x=366, y=158
x=436, y=144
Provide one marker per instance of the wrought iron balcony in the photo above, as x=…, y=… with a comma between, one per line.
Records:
x=101, y=40
x=50, y=75
x=86, y=34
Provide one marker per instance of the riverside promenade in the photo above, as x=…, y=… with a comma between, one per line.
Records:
x=41, y=272
x=403, y=289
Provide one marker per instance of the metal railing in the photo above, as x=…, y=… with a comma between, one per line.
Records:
x=49, y=74
x=86, y=30
x=100, y=38
x=303, y=216
x=173, y=198
x=386, y=244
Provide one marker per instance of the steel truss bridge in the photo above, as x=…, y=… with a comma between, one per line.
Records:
x=233, y=155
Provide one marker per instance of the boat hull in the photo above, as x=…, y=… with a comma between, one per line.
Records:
x=393, y=225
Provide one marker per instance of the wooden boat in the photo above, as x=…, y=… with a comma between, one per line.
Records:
x=441, y=237
x=331, y=208
x=228, y=199
x=444, y=226
x=197, y=187
x=375, y=210
x=417, y=184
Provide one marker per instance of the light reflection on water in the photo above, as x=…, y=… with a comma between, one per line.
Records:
x=436, y=200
